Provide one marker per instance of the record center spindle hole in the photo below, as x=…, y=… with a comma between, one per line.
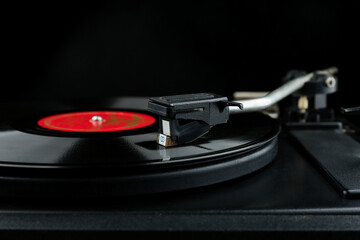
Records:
x=97, y=119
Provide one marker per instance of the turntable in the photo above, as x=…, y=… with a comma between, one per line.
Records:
x=193, y=162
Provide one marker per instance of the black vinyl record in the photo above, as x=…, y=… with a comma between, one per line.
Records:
x=39, y=162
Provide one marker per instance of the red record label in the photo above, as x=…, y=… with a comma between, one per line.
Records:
x=96, y=121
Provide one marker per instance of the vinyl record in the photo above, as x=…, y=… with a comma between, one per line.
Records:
x=70, y=149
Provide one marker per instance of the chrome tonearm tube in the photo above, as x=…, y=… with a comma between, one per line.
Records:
x=258, y=104
x=184, y=118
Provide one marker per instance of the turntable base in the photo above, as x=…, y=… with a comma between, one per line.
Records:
x=288, y=198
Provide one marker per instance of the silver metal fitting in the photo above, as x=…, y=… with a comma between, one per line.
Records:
x=330, y=82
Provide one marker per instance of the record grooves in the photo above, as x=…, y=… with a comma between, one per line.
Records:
x=43, y=162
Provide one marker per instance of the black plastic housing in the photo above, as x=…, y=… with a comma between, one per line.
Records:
x=207, y=107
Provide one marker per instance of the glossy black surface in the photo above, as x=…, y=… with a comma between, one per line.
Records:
x=24, y=143
x=39, y=163
x=288, y=195
x=337, y=156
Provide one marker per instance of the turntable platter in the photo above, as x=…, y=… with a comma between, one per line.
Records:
x=45, y=162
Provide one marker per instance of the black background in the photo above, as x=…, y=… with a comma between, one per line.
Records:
x=105, y=49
